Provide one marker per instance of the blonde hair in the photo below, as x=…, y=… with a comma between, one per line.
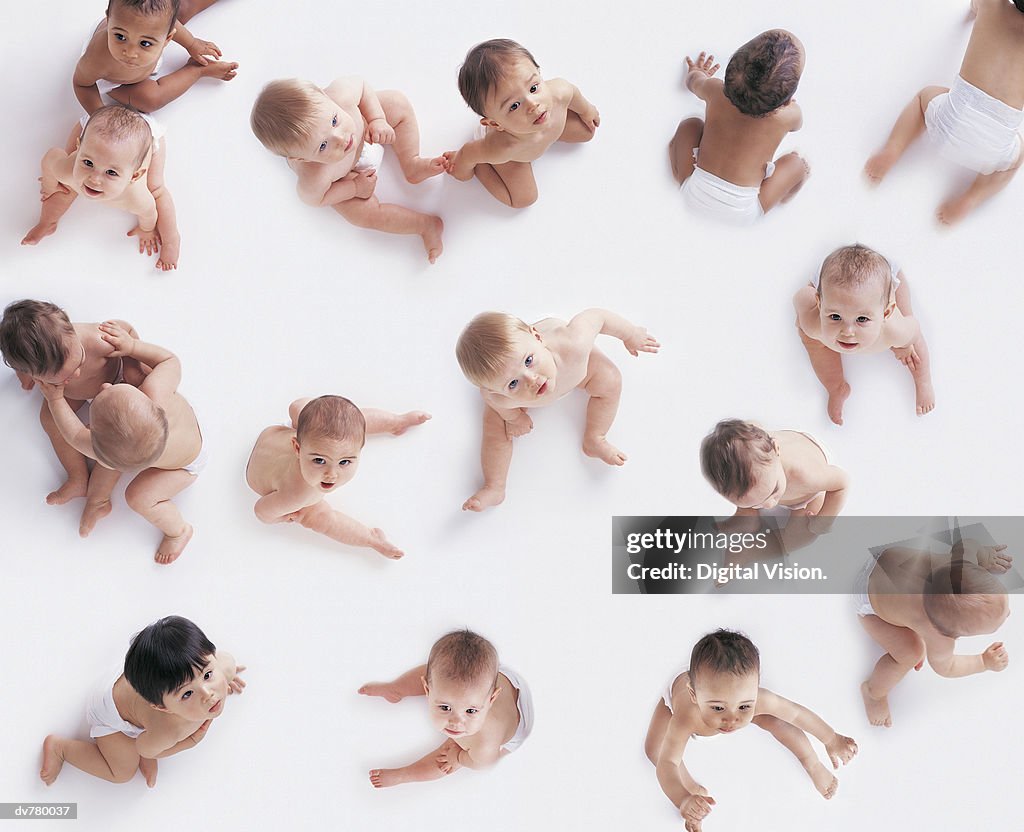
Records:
x=854, y=267
x=330, y=417
x=463, y=656
x=284, y=115
x=486, y=343
x=120, y=124
x=128, y=432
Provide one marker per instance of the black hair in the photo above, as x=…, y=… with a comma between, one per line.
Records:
x=165, y=656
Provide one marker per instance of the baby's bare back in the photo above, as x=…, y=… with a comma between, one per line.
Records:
x=184, y=437
x=896, y=584
x=994, y=61
x=273, y=464
x=97, y=369
x=736, y=147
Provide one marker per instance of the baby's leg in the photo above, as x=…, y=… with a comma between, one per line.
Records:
x=575, y=129
x=149, y=95
x=97, y=498
x=53, y=208
x=111, y=758
x=680, y=149
x=603, y=384
x=409, y=683
x=394, y=219
x=512, y=183
x=796, y=741
x=495, y=459
x=73, y=462
x=908, y=127
x=791, y=171
x=150, y=495
x=295, y=408
x=402, y=118
x=321, y=518
x=904, y=650
x=985, y=186
x=384, y=421
x=921, y=370
x=424, y=769
x=828, y=367
x=190, y=8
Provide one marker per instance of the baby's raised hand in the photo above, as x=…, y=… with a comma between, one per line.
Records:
x=841, y=750
x=149, y=241
x=51, y=392
x=994, y=559
x=199, y=48
x=237, y=683
x=378, y=131
x=705, y=63
x=448, y=757
x=520, y=426
x=695, y=808
x=118, y=337
x=907, y=356
x=639, y=341
x=366, y=181
x=995, y=657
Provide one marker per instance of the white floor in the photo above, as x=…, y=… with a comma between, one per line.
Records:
x=274, y=300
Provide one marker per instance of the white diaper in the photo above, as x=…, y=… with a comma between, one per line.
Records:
x=726, y=201
x=666, y=697
x=369, y=157
x=105, y=86
x=103, y=718
x=196, y=466
x=973, y=129
x=861, y=599
x=524, y=703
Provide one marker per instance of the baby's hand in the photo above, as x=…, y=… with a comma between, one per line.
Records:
x=48, y=187
x=907, y=356
x=237, y=683
x=449, y=157
x=520, y=426
x=695, y=808
x=993, y=559
x=27, y=382
x=365, y=181
x=149, y=241
x=705, y=63
x=448, y=758
x=199, y=48
x=995, y=657
x=51, y=392
x=378, y=131
x=118, y=337
x=841, y=750
x=639, y=341
x=590, y=117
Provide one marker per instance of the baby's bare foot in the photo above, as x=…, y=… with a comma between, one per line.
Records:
x=37, y=232
x=171, y=547
x=796, y=188
x=169, y=251
x=601, y=448
x=925, y=396
x=484, y=498
x=432, y=238
x=73, y=487
x=824, y=780
x=384, y=777
x=386, y=689
x=91, y=515
x=877, y=709
x=953, y=210
x=878, y=166
x=381, y=544
x=836, y=399
x=148, y=769
x=53, y=759
x=222, y=70
x=421, y=169
x=402, y=422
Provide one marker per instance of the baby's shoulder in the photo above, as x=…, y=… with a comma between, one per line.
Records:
x=561, y=89
x=95, y=58
x=345, y=91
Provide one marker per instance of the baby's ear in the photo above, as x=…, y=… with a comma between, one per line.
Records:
x=426, y=687
x=536, y=333
x=693, y=696
x=889, y=308
x=494, y=695
x=139, y=173
x=171, y=34
x=490, y=122
x=295, y=446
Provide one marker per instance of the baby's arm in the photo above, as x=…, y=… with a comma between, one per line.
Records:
x=490, y=150
x=692, y=807
x=793, y=115
x=55, y=166
x=990, y=558
x=154, y=745
x=699, y=75
x=590, y=323
x=163, y=381
x=945, y=662
x=77, y=435
x=482, y=756
x=356, y=184
x=231, y=670
x=377, y=129
x=840, y=749
x=578, y=104
x=278, y=507
x=86, y=91
x=834, y=482
x=517, y=420
x=197, y=48
x=805, y=302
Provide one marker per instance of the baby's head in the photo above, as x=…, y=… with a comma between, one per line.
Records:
x=172, y=665
x=501, y=82
x=37, y=338
x=298, y=120
x=763, y=74
x=111, y=152
x=139, y=30
x=461, y=682
x=725, y=674
x=329, y=435
x=855, y=296
x=743, y=464
x=502, y=354
x=962, y=599
x=129, y=430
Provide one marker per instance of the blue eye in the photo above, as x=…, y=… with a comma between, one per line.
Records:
x=323, y=146
x=529, y=361
x=319, y=460
x=512, y=385
x=334, y=122
x=834, y=317
x=146, y=44
x=120, y=37
x=863, y=319
x=345, y=462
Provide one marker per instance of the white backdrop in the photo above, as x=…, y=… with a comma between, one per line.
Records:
x=274, y=300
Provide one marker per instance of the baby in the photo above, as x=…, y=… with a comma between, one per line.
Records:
x=724, y=163
x=521, y=116
x=333, y=138
x=483, y=708
x=859, y=302
x=40, y=344
x=113, y=158
x=150, y=429
x=719, y=694
x=518, y=366
x=293, y=467
x=121, y=59
x=757, y=470
x=976, y=123
x=916, y=605
x=174, y=685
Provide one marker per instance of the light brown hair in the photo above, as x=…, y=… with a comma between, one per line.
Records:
x=119, y=124
x=485, y=345
x=854, y=267
x=284, y=115
x=463, y=656
x=32, y=337
x=129, y=432
x=729, y=454
x=330, y=417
